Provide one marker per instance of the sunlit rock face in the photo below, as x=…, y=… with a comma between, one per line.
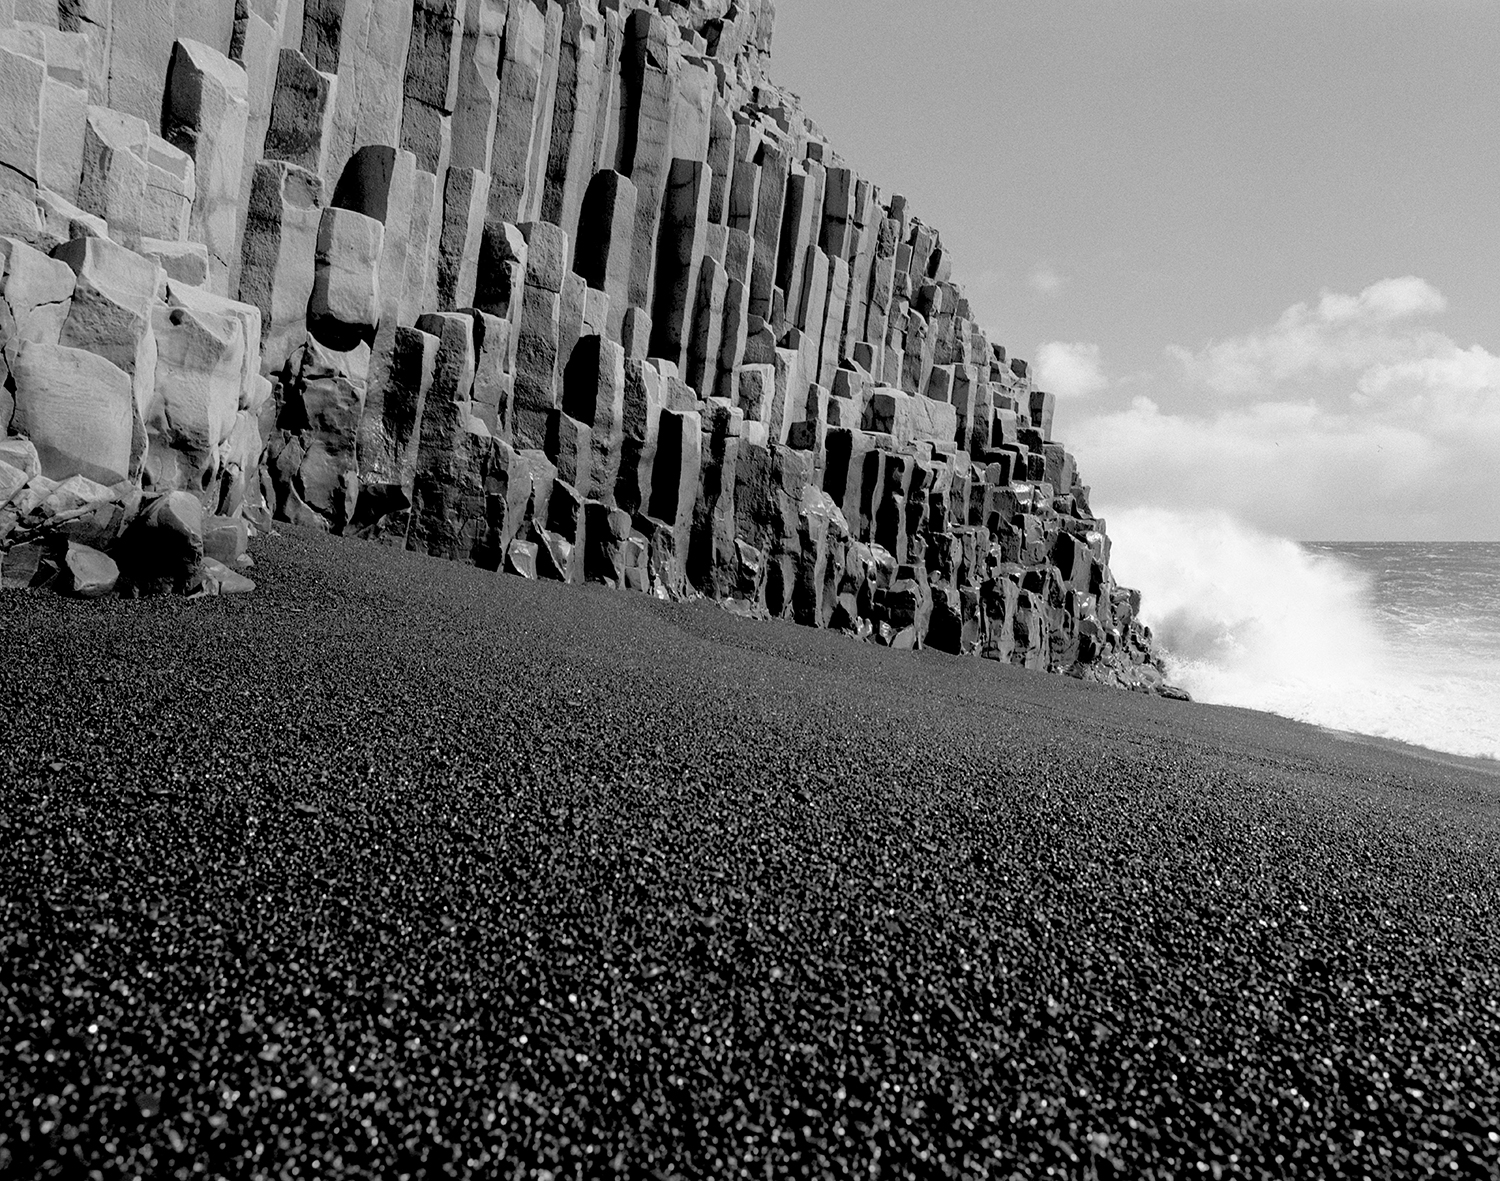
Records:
x=564, y=289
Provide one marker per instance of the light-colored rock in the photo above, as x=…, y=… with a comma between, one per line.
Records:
x=201, y=366
x=22, y=79
x=213, y=578
x=46, y=112
x=91, y=574
x=345, y=303
x=12, y=480
x=35, y=294
x=110, y=313
x=185, y=263
x=205, y=113
x=21, y=454
x=171, y=191
x=77, y=409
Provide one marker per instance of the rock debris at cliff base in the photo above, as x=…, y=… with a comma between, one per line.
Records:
x=395, y=869
x=569, y=290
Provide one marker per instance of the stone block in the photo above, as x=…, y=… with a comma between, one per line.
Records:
x=345, y=303
x=569, y=446
x=635, y=334
x=640, y=417
x=378, y=182
x=205, y=114
x=36, y=293
x=683, y=221
x=442, y=477
x=501, y=269
x=23, y=78
x=256, y=46
x=605, y=554
x=110, y=313
x=372, y=47
x=171, y=192
x=800, y=228
x=572, y=304
x=649, y=66
x=434, y=54
x=204, y=358
x=536, y=368
x=604, y=251
x=279, y=254
x=720, y=162
x=523, y=126
x=582, y=54
x=546, y=256
x=708, y=328
x=493, y=366
x=1060, y=470
x=790, y=393
x=78, y=410
x=419, y=293
x=1042, y=407
x=833, y=320
x=594, y=394
x=403, y=364
x=755, y=391
x=112, y=176
x=774, y=163
x=141, y=35
x=674, y=476
x=477, y=95
x=300, y=126
x=311, y=456
x=464, y=202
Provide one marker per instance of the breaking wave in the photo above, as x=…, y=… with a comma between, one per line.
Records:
x=1257, y=621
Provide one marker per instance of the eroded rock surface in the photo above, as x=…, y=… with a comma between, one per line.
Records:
x=566, y=288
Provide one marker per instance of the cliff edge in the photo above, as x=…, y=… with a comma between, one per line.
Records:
x=565, y=289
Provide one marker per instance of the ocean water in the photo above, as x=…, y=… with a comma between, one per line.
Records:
x=1394, y=640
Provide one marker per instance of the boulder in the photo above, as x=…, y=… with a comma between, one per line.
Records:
x=213, y=578
x=89, y=573
x=163, y=547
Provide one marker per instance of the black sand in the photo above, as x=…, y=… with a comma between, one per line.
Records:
x=400, y=869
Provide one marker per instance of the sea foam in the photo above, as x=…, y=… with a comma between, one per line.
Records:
x=1258, y=621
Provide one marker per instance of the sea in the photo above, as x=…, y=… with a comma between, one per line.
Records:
x=1392, y=640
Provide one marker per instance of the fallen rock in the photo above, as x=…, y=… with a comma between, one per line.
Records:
x=90, y=574
x=214, y=578
x=163, y=548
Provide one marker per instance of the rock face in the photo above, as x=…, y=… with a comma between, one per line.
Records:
x=565, y=288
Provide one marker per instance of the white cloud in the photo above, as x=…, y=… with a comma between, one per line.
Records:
x=1348, y=418
x=1044, y=280
x=1069, y=370
x=1338, y=335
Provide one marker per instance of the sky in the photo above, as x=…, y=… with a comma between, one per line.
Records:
x=1254, y=248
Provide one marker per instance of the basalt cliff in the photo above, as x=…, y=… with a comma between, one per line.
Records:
x=569, y=290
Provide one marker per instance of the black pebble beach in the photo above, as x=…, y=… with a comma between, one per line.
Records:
x=395, y=869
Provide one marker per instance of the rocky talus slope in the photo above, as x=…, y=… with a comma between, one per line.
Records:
x=569, y=290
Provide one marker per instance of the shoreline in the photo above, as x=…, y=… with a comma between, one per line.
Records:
x=1481, y=764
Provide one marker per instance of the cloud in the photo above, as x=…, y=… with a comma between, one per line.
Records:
x=1044, y=280
x=1349, y=418
x=1337, y=335
x=1069, y=370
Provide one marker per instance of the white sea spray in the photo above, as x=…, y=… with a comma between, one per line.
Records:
x=1391, y=641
